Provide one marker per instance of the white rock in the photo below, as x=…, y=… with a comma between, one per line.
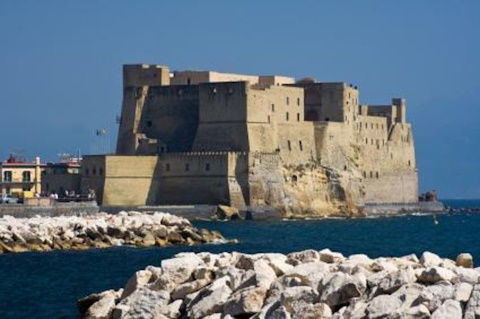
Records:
x=464, y=260
x=245, y=301
x=139, y=279
x=417, y=312
x=180, y=291
x=326, y=255
x=450, y=309
x=145, y=303
x=462, y=292
x=210, y=300
x=339, y=288
x=173, y=309
x=103, y=308
x=308, y=255
x=472, y=310
x=467, y=275
x=310, y=273
x=382, y=306
x=264, y=274
x=311, y=311
x=429, y=259
x=435, y=274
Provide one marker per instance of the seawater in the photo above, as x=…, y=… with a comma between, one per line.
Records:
x=47, y=285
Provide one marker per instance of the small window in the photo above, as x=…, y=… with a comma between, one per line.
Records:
x=366, y=125
x=288, y=100
x=298, y=117
x=371, y=174
x=376, y=174
x=100, y=171
x=344, y=167
x=300, y=145
x=298, y=101
x=187, y=167
x=189, y=81
x=409, y=163
x=366, y=141
x=26, y=176
x=371, y=126
x=287, y=116
x=273, y=107
x=167, y=167
x=7, y=176
x=289, y=146
x=268, y=119
x=149, y=123
x=94, y=171
x=364, y=174
x=207, y=167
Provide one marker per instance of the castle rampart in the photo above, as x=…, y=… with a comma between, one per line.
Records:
x=203, y=137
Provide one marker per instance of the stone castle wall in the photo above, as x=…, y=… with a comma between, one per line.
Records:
x=265, y=140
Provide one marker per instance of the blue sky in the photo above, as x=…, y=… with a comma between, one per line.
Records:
x=61, y=61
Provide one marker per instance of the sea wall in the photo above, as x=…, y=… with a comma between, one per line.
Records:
x=57, y=209
x=306, y=284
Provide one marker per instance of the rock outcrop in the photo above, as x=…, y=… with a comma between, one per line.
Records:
x=307, y=284
x=99, y=231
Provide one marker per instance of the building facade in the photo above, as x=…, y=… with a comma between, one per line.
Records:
x=202, y=137
x=18, y=176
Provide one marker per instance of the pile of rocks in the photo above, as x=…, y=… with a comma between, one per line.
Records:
x=307, y=284
x=99, y=231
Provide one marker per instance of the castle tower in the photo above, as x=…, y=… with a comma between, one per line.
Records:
x=137, y=80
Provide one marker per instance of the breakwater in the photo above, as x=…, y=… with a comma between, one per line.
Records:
x=305, y=284
x=98, y=231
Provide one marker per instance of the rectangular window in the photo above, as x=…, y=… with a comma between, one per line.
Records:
x=287, y=116
x=288, y=100
x=7, y=176
x=300, y=145
x=298, y=117
x=273, y=107
x=289, y=146
x=26, y=176
x=207, y=167
x=298, y=101
x=167, y=167
x=187, y=166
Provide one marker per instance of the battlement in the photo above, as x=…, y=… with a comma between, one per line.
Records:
x=145, y=75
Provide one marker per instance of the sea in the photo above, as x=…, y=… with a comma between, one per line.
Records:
x=47, y=285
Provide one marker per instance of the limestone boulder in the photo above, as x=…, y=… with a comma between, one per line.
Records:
x=464, y=260
x=472, y=309
x=103, y=308
x=179, y=292
x=145, y=303
x=225, y=212
x=339, y=288
x=435, y=274
x=139, y=279
x=383, y=306
x=305, y=256
x=245, y=301
x=264, y=274
x=449, y=309
x=429, y=259
x=310, y=273
x=210, y=299
x=327, y=256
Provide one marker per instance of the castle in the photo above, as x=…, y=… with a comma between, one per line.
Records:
x=203, y=137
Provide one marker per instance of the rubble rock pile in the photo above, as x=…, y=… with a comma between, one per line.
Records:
x=99, y=231
x=306, y=284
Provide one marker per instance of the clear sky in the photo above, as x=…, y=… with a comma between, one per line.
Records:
x=60, y=65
